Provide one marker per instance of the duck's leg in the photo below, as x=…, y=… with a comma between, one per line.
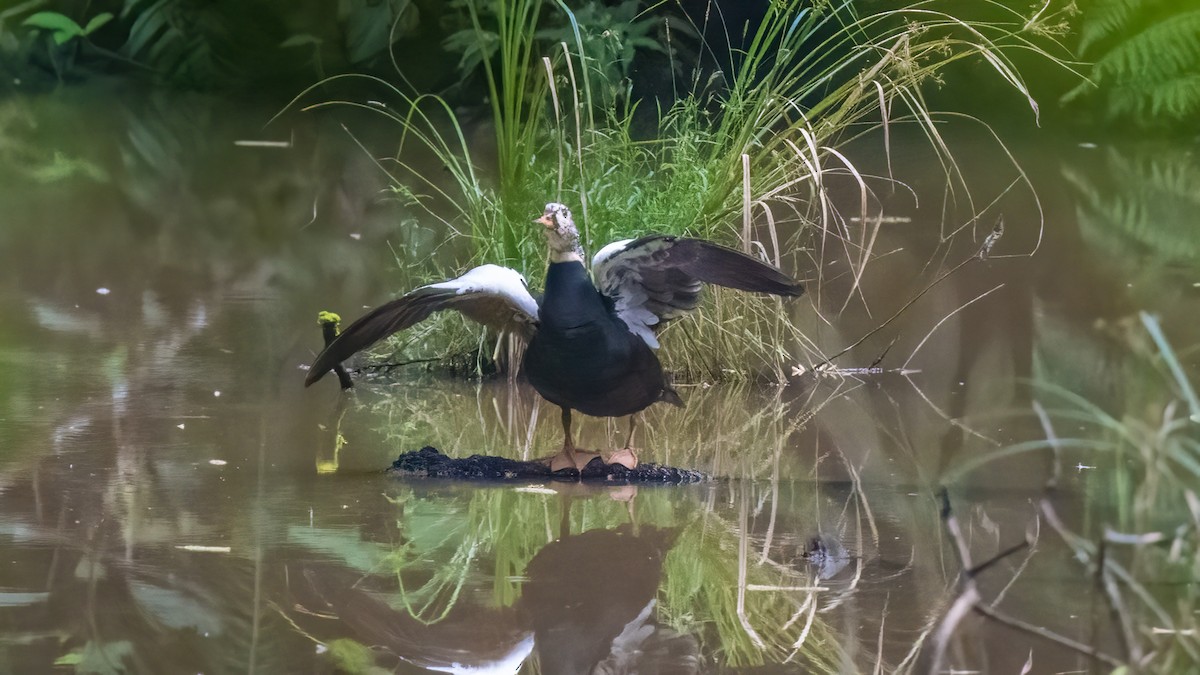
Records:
x=626, y=456
x=565, y=459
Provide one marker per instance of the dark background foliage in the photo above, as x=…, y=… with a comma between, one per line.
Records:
x=1142, y=57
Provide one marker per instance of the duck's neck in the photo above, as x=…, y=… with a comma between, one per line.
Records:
x=566, y=256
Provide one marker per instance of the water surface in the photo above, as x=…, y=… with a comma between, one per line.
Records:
x=173, y=500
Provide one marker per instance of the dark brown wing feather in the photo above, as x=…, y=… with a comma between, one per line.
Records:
x=724, y=266
x=491, y=295
x=657, y=278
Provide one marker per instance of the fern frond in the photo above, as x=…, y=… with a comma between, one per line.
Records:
x=1175, y=99
x=1108, y=17
x=1162, y=51
x=1147, y=70
x=1141, y=203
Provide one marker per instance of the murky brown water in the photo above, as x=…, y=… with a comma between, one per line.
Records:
x=173, y=500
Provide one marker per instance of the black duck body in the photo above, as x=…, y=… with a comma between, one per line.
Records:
x=584, y=357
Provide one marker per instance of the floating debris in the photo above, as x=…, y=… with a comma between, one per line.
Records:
x=263, y=144
x=198, y=548
x=887, y=220
x=537, y=490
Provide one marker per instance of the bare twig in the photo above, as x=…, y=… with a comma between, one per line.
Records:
x=969, y=599
x=1116, y=607
x=1045, y=634
x=387, y=367
x=980, y=254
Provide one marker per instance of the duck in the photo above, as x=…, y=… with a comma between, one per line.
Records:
x=591, y=339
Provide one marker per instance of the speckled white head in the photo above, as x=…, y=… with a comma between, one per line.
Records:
x=561, y=234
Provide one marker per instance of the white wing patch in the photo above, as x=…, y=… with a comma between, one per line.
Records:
x=629, y=299
x=609, y=251
x=644, y=293
x=508, y=664
x=494, y=280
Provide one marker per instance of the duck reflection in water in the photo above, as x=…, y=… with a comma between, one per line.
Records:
x=587, y=606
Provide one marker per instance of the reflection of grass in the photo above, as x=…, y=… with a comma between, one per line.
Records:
x=1152, y=438
x=466, y=418
x=1142, y=454
x=497, y=528
x=726, y=430
x=1153, y=484
x=473, y=545
x=701, y=589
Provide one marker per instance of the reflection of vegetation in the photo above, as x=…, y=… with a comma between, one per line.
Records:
x=473, y=546
x=1150, y=438
x=701, y=592
x=1147, y=59
x=1134, y=208
x=1146, y=559
x=1139, y=203
x=1154, y=437
x=1142, y=454
x=729, y=430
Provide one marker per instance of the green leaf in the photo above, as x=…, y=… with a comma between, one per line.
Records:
x=96, y=22
x=52, y=21
x=368, y=26
x=63, y=26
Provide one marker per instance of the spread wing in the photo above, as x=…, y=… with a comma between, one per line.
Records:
x=657, y=278
x=492, y=295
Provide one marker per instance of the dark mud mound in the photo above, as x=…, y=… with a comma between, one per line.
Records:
x=430, y=463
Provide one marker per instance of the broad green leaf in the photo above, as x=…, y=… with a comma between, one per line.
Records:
x=96, y=22
x=59, y=23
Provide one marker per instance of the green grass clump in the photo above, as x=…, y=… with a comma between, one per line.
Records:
x=746, y=157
